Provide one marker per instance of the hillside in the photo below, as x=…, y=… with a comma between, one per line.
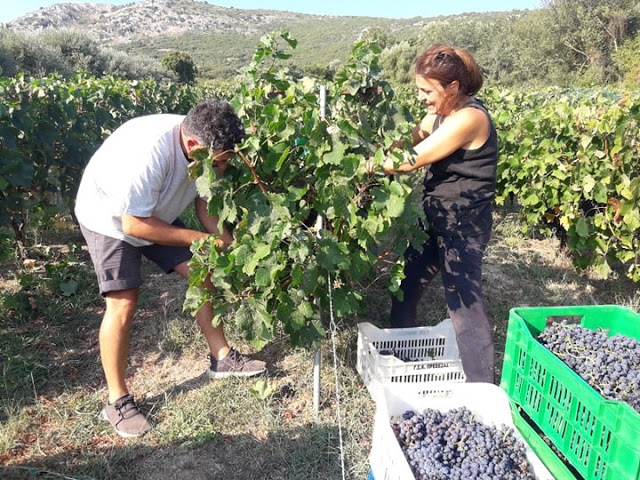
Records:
x=151, y=18
x=220, y=39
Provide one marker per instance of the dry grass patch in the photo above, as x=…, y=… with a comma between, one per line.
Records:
x=52, y=388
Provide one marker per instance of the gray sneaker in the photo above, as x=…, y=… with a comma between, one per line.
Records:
x=235, y=365
x=126, y=419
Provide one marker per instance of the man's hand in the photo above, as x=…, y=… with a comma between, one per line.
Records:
x=210, y=224
x=220, y=243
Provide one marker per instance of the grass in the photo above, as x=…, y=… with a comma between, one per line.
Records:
x=52, y=387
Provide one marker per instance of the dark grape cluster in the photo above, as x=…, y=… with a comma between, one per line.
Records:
x=453, y=445
x=609, y=364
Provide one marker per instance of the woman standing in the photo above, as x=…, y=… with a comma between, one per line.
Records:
x=457, y=143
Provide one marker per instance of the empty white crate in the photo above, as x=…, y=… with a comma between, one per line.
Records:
x=488, y=402
x=425, y=355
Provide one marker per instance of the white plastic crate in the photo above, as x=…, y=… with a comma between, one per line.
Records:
x=488, y=402
x=425, y=355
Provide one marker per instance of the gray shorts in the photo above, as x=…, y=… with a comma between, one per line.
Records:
x=117, y=263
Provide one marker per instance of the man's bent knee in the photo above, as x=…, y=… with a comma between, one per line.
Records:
x=122, y=301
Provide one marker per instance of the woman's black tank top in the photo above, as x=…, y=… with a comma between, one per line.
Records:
x=459, y=190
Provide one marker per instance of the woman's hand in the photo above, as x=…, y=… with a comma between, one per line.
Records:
x=387, y=166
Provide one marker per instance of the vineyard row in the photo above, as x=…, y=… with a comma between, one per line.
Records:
x=569, y=159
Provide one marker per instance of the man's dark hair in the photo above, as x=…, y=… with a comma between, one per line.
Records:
x=215, y=124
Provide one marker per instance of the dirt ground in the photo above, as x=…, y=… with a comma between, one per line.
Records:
x=217, y=431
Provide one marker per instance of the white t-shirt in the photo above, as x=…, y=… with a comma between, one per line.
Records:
x=140, y=170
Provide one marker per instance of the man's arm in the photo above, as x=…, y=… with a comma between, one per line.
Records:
x=210, y=224
x=158, y=231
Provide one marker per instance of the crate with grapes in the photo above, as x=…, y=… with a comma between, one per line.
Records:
x=573, y=377
x=463, y=433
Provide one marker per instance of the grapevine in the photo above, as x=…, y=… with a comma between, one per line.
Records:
x=293, y=167
x=569, y=159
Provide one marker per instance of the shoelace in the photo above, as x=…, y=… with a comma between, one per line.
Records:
x=235, y=356
x=120, y=407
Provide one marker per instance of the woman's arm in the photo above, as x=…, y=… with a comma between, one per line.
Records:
x=423, y=129
x=466, y=128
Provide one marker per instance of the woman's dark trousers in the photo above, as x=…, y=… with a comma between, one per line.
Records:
x=460, y=262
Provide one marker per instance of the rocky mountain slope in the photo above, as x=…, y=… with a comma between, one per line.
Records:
x=152, y=18
x=220, y=39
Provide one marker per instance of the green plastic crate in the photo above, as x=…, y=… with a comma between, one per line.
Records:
x=599, y=438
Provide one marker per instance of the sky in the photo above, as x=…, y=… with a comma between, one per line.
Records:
x=12, y=9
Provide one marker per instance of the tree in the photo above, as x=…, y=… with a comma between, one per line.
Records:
x=484, y=36
x=527, y=54
x=77, y=48
x=379, y=36
x=628, y=63
x=67, y=51
x=593, y=30
x=397, y=63
x=319, y=70
x=29, y=54
x=182, y=65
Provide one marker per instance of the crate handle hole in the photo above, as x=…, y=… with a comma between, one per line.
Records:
x=569, y=319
